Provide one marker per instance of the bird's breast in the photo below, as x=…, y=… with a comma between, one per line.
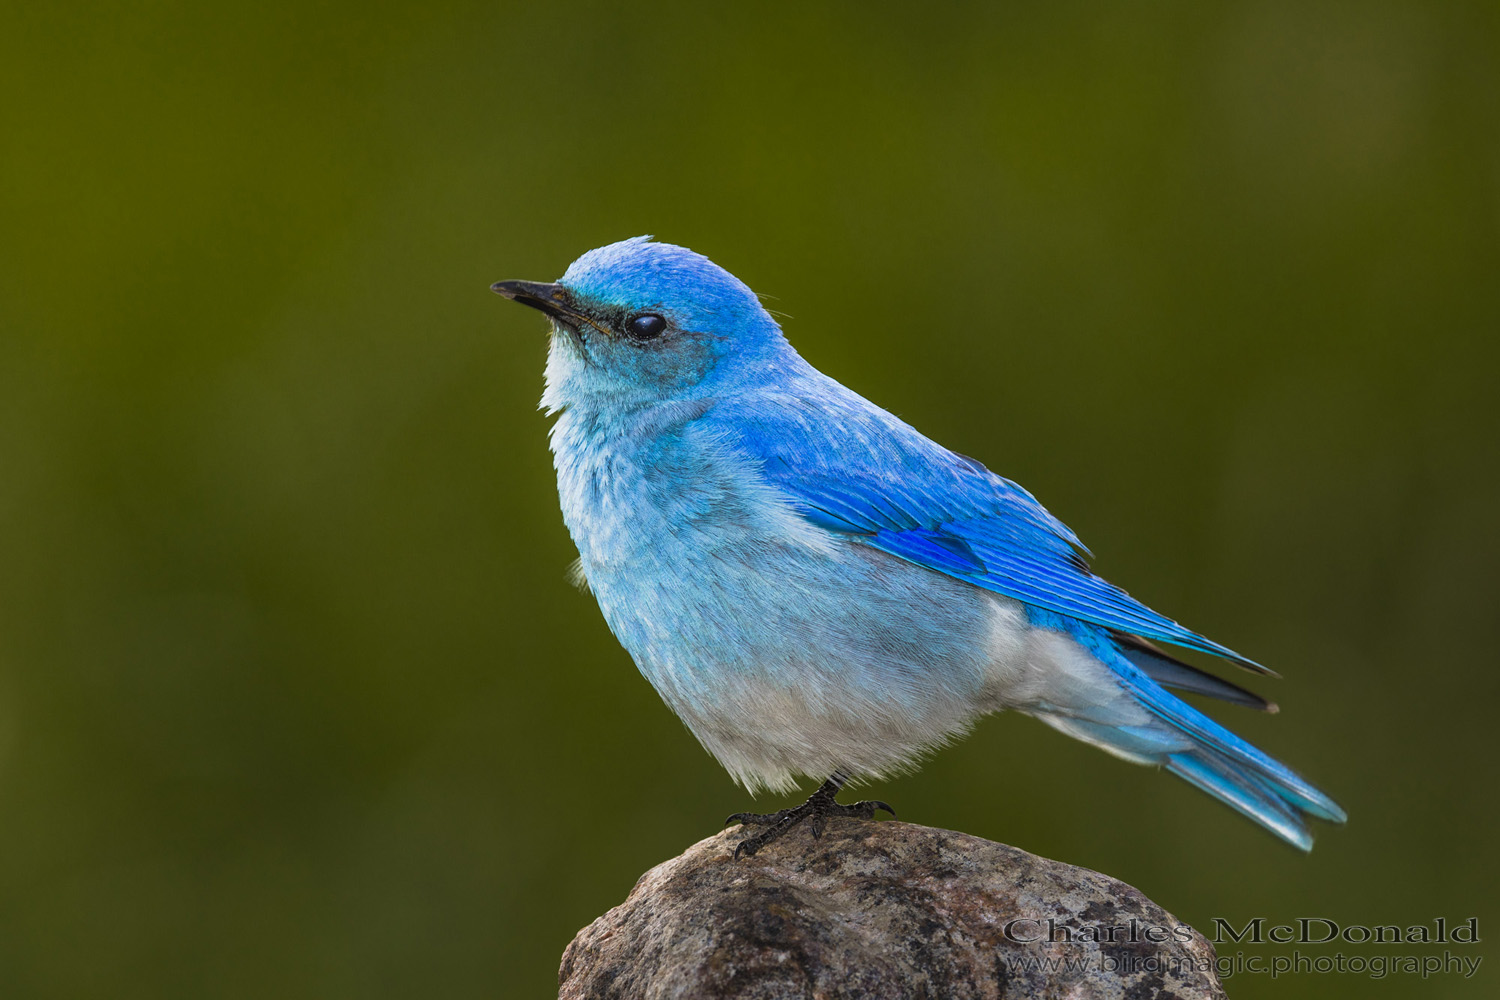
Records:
x=649, y=492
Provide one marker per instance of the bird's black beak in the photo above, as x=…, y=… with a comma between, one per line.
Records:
x=551, y=299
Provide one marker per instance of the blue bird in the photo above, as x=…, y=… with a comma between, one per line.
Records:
x=819, y=590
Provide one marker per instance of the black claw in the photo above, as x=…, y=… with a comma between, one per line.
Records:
x=758, y=819
x=817, y=810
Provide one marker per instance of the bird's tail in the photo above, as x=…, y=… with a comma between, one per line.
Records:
x=1204, y=753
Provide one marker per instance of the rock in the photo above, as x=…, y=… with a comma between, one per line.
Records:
x=875, y=910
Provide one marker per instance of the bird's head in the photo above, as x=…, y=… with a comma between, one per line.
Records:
x=638, y=322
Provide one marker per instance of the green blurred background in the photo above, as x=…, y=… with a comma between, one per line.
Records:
x=295, y=699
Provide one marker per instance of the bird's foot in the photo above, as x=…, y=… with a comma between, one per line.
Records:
x=817, y=810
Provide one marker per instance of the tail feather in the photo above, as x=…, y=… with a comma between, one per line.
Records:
x=1175, y=735
x=1249, y=764
x=1240, y=790
x=1168, y=671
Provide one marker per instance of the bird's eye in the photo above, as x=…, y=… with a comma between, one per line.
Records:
x=645, y=326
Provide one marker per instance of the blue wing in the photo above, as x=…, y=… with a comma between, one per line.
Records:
x=853, y=468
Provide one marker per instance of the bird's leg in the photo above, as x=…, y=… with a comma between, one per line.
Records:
x=817, y=809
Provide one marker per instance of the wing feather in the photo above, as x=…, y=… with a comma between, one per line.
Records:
x=852, y=468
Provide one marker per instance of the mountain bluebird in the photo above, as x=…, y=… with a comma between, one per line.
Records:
x=819, y=590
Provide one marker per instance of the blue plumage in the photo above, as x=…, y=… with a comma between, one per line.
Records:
x=816, y=588
x=862, y=471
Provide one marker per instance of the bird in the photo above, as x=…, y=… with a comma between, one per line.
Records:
x=818, y=590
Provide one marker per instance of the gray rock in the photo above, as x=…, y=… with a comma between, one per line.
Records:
x=874, y=910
